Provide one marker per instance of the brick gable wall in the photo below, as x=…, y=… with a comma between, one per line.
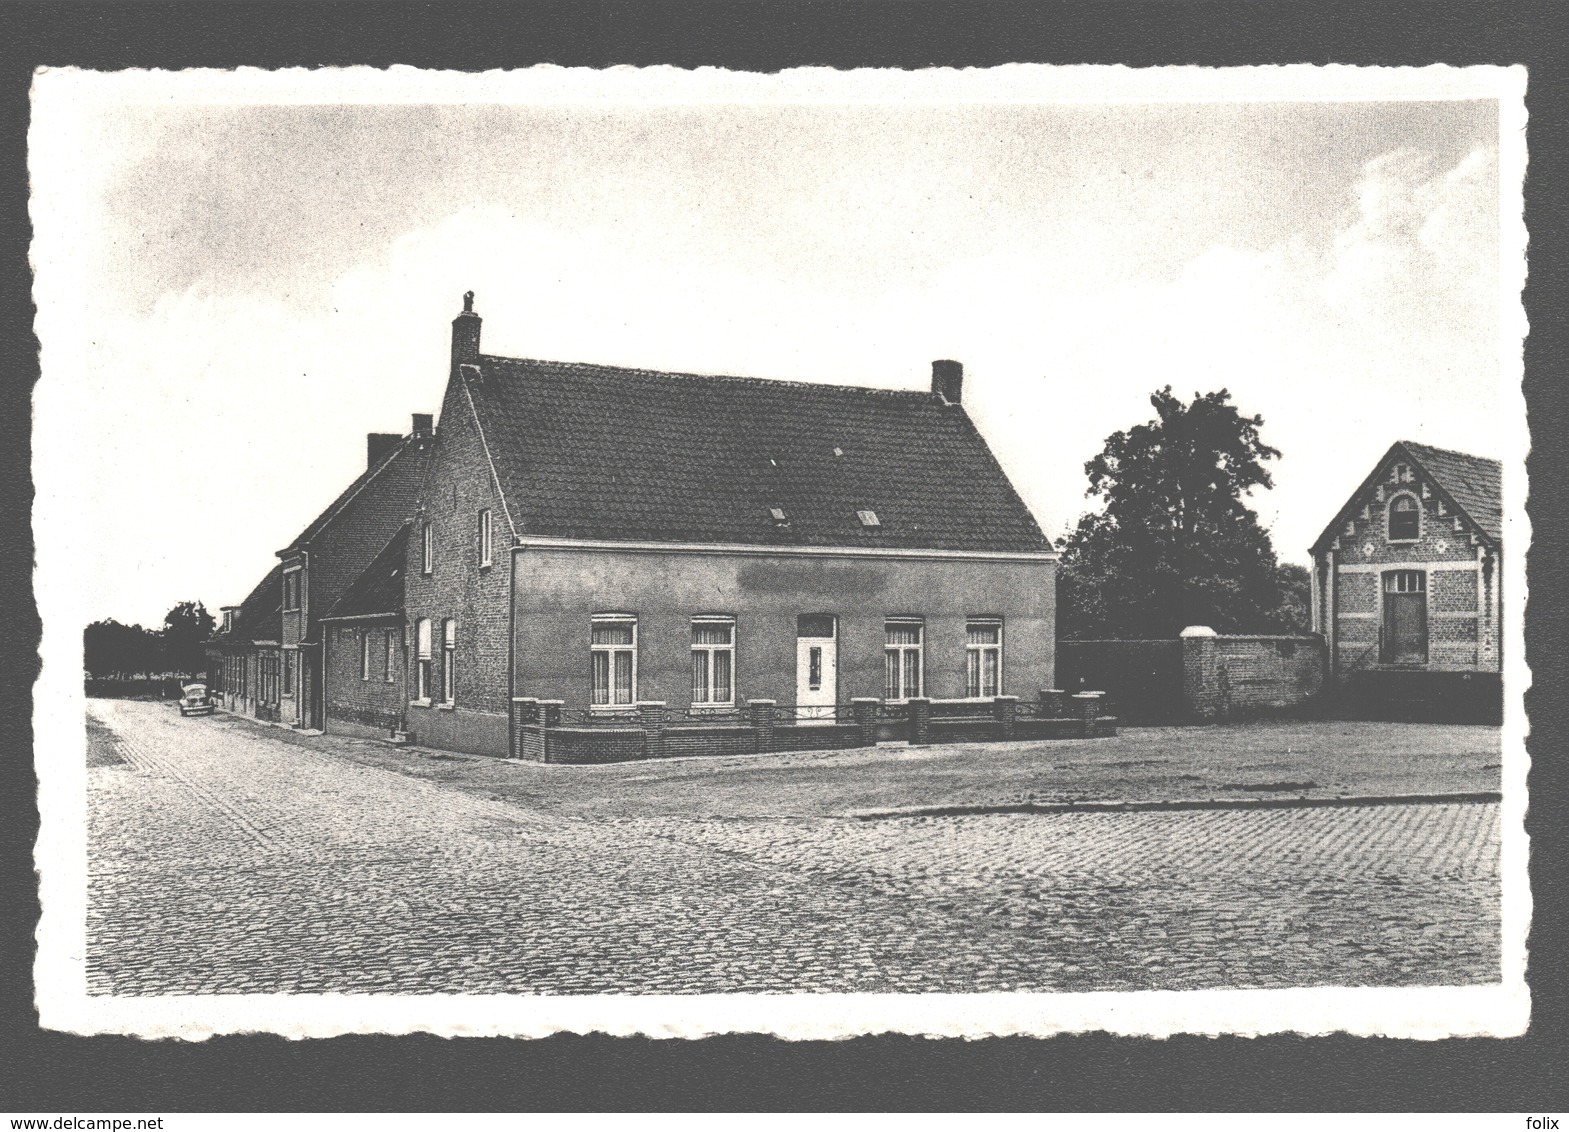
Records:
x=1459, y=569
x=457, y=485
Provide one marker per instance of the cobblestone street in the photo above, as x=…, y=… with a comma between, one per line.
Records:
x=224, y=860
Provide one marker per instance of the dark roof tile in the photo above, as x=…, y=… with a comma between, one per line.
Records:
x=588, y=451
x=380, y=588
x=1473, y=482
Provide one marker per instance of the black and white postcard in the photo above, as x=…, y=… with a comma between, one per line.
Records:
x=963, y=553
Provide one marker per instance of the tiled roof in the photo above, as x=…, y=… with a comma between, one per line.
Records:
x=259, y=613
x=1472, y=483
x=380, y=588
x=408, y=447
x=1475, y=483
x=588, y=451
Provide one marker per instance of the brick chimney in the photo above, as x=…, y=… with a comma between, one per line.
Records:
x=947, y=381
x=465, y=334
x=377, y=445
x=423, y=424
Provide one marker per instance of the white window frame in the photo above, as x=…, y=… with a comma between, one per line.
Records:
x=422, y=661
x=291, y=590
x=708, y=653
x=364, y=654
x=427, y=550
x=1404, y=582
x=610, y=651
x=449, y=657
x=485, y=547
x=1389, y=517
x=386, y=660
x=975, y=659
x=899, y=686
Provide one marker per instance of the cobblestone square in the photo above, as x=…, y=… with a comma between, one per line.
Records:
x=225, y=860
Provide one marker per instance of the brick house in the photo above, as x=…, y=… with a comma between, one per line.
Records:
x=602, y=537
x=363, y=637
x=1407, y=577
x=245, y=652
x=269, y=650
x=329, y=554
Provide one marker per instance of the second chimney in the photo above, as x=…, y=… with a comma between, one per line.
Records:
x=422, y=424
x=377, y=445
x=947, y=381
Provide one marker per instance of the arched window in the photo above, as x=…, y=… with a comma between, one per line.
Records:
x=1405, y=518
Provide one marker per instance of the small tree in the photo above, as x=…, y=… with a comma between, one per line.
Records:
x=1175, y=543
x=186, y=630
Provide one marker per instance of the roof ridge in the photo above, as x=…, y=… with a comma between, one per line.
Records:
x=641, y=371
x=347, y=495
x=1417, y=444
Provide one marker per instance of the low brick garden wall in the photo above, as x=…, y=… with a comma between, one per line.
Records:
x=543, y=732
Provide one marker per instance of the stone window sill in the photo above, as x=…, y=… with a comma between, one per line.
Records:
x=419, y=703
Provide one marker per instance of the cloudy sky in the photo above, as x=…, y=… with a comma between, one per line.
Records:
x=247, y=290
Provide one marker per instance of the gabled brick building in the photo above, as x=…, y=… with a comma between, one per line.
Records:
x=603, y=537
x=1407, y=577
x=271, y=646
x=245, y=650
x=363, y=637
x=334, y=550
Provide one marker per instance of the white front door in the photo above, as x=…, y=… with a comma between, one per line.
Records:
x=816, y=668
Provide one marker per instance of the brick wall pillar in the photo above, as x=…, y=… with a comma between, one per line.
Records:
x=920, y=721
x=866, y=711
x=1005, y=710
x=1054, y=703
x=1088, y=704
x=761, y=713
x=1201, y=672
x=653, y=715
x=525, y=710
x=550, y=712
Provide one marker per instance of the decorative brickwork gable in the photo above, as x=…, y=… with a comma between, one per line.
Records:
x=1406, y=575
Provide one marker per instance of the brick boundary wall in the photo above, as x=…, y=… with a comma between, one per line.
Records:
x=1241, y=676
x=538, y=734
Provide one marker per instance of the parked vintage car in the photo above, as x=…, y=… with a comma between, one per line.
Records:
x=194, y=700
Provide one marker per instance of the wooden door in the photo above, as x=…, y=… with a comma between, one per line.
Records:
x=1405, y=617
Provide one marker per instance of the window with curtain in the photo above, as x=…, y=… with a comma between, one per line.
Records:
x=449, y=654
x=983, y=658
x=902, y=659
x=713, y=661
x=422, y=686
x=386, y=658
x=365, y=655
x=613, y=661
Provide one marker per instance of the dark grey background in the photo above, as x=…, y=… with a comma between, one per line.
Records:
x=49, y=1073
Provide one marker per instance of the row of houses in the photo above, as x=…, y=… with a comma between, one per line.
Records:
x=600, y=540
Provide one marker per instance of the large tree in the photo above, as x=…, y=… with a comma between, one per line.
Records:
x=1174, y=542
x=112, y=649
x=186, y=630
